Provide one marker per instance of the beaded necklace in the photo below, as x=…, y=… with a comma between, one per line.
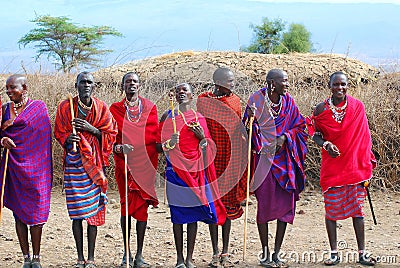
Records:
x=192, y=123
x=20, y=104
x=273, y=108
x=81, y=111
x=84, y=106
x=133, y=113
x=338, y=113
x=212, y=95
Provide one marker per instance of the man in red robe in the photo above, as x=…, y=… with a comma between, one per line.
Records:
x=223, y=113
x=138, y=138
x=340, y=127
x=84, y=177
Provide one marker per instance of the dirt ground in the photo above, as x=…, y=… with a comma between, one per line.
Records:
x=305, y=244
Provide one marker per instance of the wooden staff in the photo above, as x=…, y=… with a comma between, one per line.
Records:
x=248, y=185
x=171, y=104
x=2, y=186
x=126, y=212
x=71, y=105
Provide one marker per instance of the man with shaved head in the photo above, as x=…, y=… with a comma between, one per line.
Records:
x=84, y=166
x=279, y=146
x=223, y=113
x=26, y=136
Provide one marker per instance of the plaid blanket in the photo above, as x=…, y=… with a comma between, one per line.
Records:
x=223, y=116
x=29, y=171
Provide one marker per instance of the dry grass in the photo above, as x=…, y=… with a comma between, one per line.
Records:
x=381, y=99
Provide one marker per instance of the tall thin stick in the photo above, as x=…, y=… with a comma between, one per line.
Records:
x=126, y=212
x=248, y=186
x=2, y=186
x=171, y=104
x=71, y=105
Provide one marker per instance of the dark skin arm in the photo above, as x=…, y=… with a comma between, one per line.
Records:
x=332, y=150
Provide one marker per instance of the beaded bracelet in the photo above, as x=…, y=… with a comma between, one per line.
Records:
x=203, y=143
x=166, y=146
x=318, y=134
x=118, y=148
x=325, y=144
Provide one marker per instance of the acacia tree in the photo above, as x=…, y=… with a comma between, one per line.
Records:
x=269, y=38
x=68, y=44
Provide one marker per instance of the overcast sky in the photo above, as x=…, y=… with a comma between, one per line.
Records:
x=366, y=30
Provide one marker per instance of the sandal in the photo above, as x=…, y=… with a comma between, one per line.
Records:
x=280, y=263
x=366, y=259
x=80, y=264
x=123, y=263
x=190, y=265
x=36, y=264
x=90, y=264
x=333, y=260
x=225, y=261
x=140, y=263
x=214, y=262
x=181, y=265
x=27, y=263
x=267, y=263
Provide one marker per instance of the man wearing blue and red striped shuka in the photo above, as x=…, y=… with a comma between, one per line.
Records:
x=279, y=143
x=26, y=133
x=84, y=176
x=222, y=110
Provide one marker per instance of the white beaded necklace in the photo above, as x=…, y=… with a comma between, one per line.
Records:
x=272, y=105
x=338, y=113
x=133, y=113
x=20, y=104
x=212, y=95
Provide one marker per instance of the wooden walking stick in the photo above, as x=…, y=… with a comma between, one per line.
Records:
x=126, y=212
x=248, y=185
x=171, y=104
x=71, y=105
x=3, y=184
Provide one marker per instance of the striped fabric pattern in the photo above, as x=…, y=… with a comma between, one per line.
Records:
x=344, y=202
x=84, y=198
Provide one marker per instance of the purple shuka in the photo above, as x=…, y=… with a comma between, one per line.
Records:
x=29, y=170
x=278, y=177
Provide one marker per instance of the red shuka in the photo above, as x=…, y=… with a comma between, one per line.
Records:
x=143, y=160
x=353, y=139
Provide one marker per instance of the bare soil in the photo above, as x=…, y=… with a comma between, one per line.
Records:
x=305, y=244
